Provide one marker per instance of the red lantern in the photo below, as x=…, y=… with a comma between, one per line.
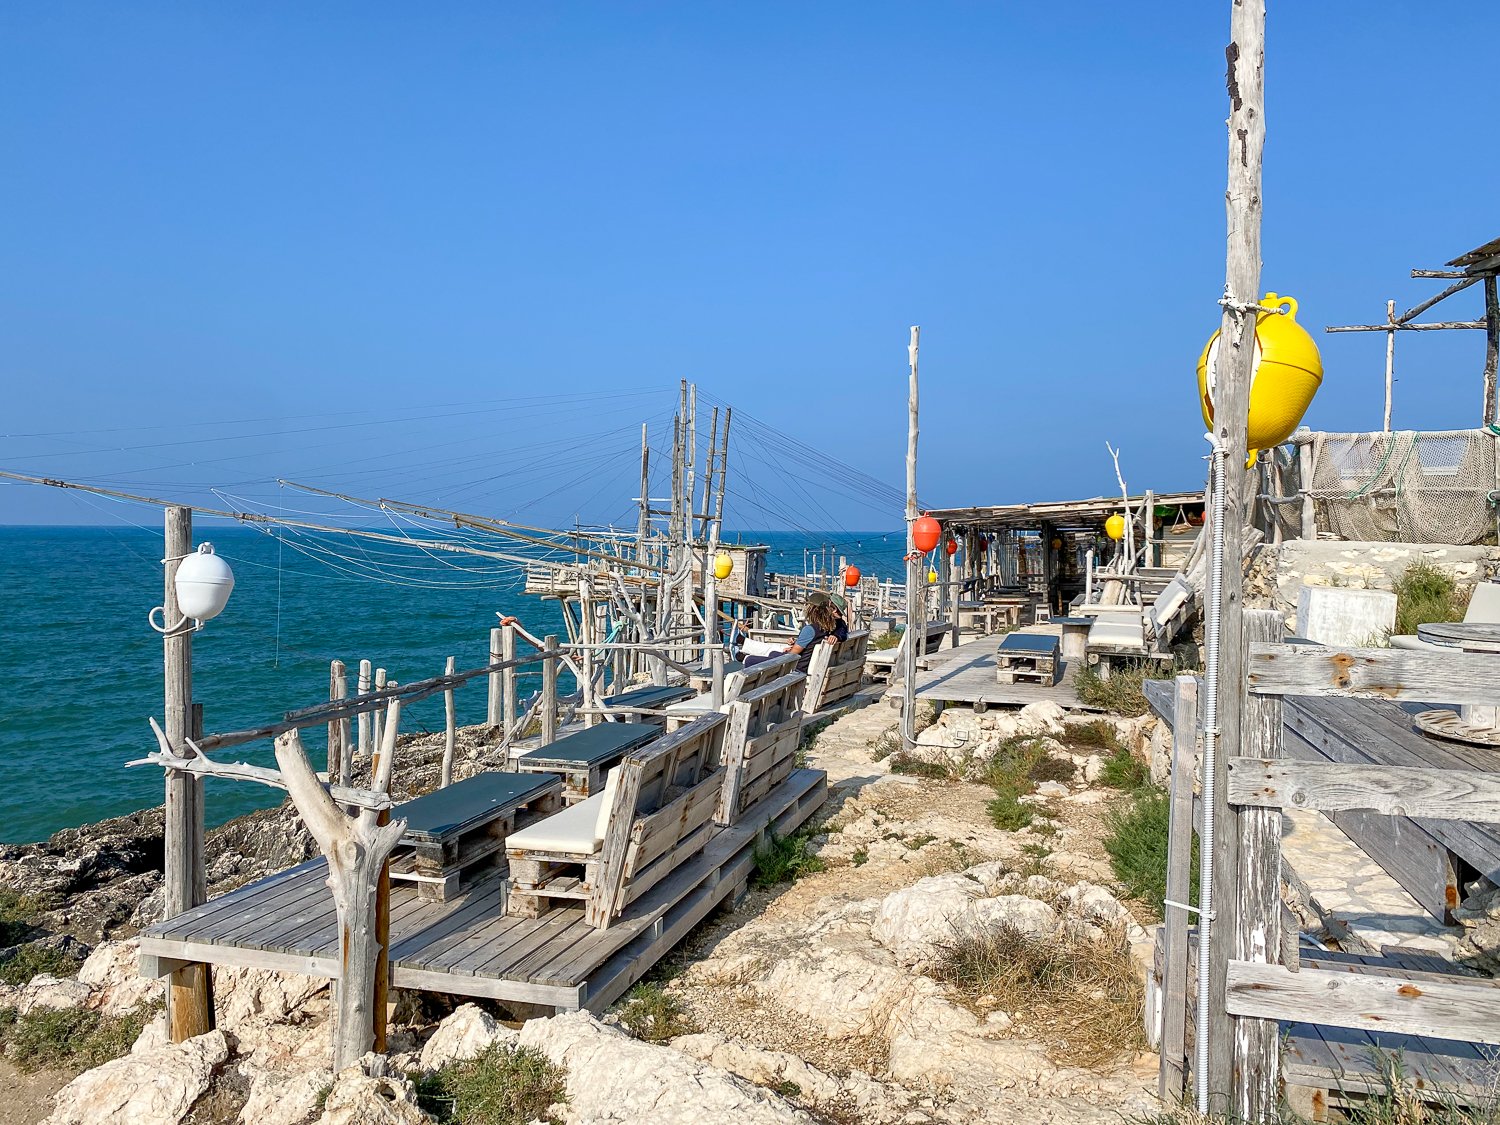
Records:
x=851, y=577
x=952, y=547
x=925, y=534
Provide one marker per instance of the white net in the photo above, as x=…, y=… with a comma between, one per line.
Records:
x=1405, y=486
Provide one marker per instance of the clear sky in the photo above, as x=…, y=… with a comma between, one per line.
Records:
x=372, y=245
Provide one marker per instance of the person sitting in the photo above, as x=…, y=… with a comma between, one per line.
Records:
x=821, y=622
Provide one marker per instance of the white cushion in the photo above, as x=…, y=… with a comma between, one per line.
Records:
x=1117, y=634
x=603, y=810
x=698, y=705
x=1416, y=644
x=572, y=831
x=1484, y=606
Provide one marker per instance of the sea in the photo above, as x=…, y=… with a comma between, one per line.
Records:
x=83, y=669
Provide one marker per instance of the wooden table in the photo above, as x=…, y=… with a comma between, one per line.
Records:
x=583, y=759
x=451, y=830
x=1473, y=724
x=643, y=704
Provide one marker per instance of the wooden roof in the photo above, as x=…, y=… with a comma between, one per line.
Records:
x=1062, y=514
x=1482, y=259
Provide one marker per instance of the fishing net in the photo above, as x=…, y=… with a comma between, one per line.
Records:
x=1405, y=486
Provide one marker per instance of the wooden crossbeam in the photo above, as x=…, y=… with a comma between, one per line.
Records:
x=1409, y=791
x=1391, y=1005
x=1394, y=674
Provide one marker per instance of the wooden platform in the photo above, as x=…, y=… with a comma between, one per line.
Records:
x=468, y=946
x=966, y=674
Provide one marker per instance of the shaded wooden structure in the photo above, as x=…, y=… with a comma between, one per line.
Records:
x=966, y=675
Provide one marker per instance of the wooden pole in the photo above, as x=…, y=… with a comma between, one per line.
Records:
x=1390, y=359
x=189, y=1000
x=450, y=732
x=643, y=527
x=495, y=713
x=1245, y=81
x=376, y=732
x=1305, y=480
x=916, y=595
x=1491, y=346
x=508, y=679
x=338, y=683
x=549, y=690
x=1172, y=1071
x=365, y=681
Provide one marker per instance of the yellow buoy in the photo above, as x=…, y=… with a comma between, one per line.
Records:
x=1114, y=527
x=723, y=565
x=932, y=576
x=1287, y=373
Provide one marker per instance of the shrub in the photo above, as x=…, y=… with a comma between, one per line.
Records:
x=783, y=859
x=503, y=1086
x=1123, y=770
x=72, y=1038
x=17, y=912
x=1096, y=735
x=1082, y=996
x=652, y=1013
x=1121, y=694
x=31, y=959
x=916, y=767
x=880, y=642
x=1424, y=594
x=1136, y=840
x=1008, y=812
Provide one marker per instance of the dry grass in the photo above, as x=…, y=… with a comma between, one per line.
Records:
x=1081, y=998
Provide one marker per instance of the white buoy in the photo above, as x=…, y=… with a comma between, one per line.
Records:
x=203, y=584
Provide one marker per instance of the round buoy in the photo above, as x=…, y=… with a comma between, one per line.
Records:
x=851, y=577
x=203, y=584
x=1057, y=544
x=1114, y=527
x=925, y=533
x=1287, y=371
x=723, y=565
x=952, y=546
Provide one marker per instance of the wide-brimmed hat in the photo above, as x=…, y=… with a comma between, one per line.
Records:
x=840, y=602
x=817, y=597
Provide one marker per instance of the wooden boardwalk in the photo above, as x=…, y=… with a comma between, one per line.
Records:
x=966, y=674
x=468, y=945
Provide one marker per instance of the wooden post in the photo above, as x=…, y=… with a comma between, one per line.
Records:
x=1246, y=55
x=586, y=653
x=376, y=734
x=338, y=684
x=549, y=690
x=1149, y=518
x=496, y=712
x=1390, y=359
x=508, y=679
x=1305, y=479
x=916, y=594
x=189, y=999
x=450, y=732
x=1491, y=346
x=1257, y=936
x=365, y=672
x=1173, y=1069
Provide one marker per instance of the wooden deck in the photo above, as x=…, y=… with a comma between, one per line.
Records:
x=966, y=674
x=467, y=945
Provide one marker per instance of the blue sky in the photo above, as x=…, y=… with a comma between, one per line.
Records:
x=374, y=245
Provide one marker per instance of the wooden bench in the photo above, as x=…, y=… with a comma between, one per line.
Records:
x=643, y=704
x=836, y=671
x=736, y=685
x=891, y=662
x=585, y=757
x=655, y=812
x=760, y=747
x=450, y=831
x=1028, y=658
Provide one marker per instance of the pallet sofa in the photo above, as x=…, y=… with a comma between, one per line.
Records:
x=890, y=663
x=736, y=684
x=836, y=671
x=760, y=748
x=655, y=812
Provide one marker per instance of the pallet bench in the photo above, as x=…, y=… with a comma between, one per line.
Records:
x=585, y=757
x=654, y=813
x=891, y=662
x=736, y=684
x=1028, y=658
x=642, y=704
x=836, y=671
x=452, y=831
x=760, y=748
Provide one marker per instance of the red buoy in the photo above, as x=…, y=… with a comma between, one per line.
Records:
x=952, y=547
x=925, y=534
x=851, y=577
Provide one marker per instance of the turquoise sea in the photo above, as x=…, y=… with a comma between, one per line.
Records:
x=83, y=669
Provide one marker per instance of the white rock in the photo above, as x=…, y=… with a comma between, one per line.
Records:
x=113, y=971
x=463, y=1035
x=244, y=994
x=1094, y=904
x=277, y=1099
x=157, y=1086
x=1025, y=915
x=612, y=1078
x=359, y=1099
x=1045, y=717
x=1052, y=789
x=764, y=1068
x=54, y=993
x=916, y=919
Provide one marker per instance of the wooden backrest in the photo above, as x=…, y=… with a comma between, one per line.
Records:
x=836, y=671
x=739, y=684
x=661, y=807
x=760, y=746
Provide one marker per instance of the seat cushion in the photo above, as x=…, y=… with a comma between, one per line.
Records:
x=572, y=831
x=1416, y=644
x=698, y=705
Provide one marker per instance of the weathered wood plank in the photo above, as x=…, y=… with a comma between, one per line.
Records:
x=1410, y=791
x=1172, y=1073
x=1456, y=1010
x=1382, y=673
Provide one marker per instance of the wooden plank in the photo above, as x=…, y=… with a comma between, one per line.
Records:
x=1409, y=791
x=1439, y=1009
x=486, y=987
x=1383, y=673
x=241, y=957
x=1172, y=1072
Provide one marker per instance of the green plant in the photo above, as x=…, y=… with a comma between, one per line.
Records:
x=1122, y=770
x=917, y=843
x=1424, y=594
x=652, y=1013
x=915, y=767
x=786, y=1088
x=884, y=745
x=503, y=1086
x=1008, y=812
x=1136, y=841
x=1121, y=694
x=32, y=959
x=860, y=858
x=17, y=913
x=783, y=859
x=882, y=642
x=71, y=1037
x=1098, y=734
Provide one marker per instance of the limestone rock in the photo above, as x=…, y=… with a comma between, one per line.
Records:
x=157, y=1086
x=277, y=1099
x=915, y=920
x=242, y=994
x=612, y=1078
x=1025, y=915
x=113, y=973
x=463, y=1035
x=358, y=1098
x=48, y=992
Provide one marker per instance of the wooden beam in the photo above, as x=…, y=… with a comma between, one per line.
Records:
x=1443, y=274
x=1394, y=674
x=1434, y=326
x=1491, y=346
x=1390, y=1005
x=1418, y=310
x=1410, y=791
x=1172, y=1073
